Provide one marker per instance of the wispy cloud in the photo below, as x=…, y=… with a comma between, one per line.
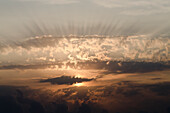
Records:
x=52, y=1
x=137, y=7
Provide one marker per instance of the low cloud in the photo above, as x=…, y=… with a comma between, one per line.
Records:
x=113, y=98
x=111, y=67
x=66, y=80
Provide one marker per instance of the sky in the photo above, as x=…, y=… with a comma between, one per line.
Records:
x=130, y=31
x=125, y=36
x=20, y=16
x=84, y=56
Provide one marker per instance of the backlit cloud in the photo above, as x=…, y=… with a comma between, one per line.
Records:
x=76, y=49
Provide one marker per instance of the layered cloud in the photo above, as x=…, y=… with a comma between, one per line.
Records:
x=128, y=7
x=116, y=97
x=137, y=7
x=52, y=1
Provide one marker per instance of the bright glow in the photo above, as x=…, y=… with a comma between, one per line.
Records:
x=78, y=76
x=78, y=84
x=88, y=48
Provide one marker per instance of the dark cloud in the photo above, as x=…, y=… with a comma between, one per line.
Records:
x=136, y=67
x=66, y=80
x=112, y=67
x=161, y=89
x=122, y=67
x=21, y=100
x=156, y=78
x=119, y=97
x=35, y=66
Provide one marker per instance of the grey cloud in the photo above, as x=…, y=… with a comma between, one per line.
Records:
x=52, y=1
x=137, y=7
x=29, y=66
x=127, y=7
x=112, y=67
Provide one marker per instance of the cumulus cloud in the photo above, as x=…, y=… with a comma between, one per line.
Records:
x=137, y=7
x=115, y=54
x=87, y=48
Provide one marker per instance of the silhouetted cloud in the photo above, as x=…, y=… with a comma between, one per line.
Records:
x=119, y=97
x=161, y=89
x=35, y=66
x=111, y=67
x=66, y=80
x=156, y=78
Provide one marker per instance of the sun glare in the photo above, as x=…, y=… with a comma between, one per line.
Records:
x=78, y=84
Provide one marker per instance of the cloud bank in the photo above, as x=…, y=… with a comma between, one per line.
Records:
x=87, y=48
x=116, y=54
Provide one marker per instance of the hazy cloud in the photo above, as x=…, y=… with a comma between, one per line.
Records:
x=127, y=7
x=52, y=1
x=137, y=7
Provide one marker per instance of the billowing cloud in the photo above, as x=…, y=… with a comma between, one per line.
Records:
x=137, y=7
x=98, y=44
x=87, y=48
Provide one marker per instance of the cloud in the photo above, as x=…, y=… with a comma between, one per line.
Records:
x=127, y=7
x=137, y=7
x=76, y=49
x=102, y=42
x=52, y=1
x=37, y=66
x=112, y=67
x=65, y=80
x=119, y=96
